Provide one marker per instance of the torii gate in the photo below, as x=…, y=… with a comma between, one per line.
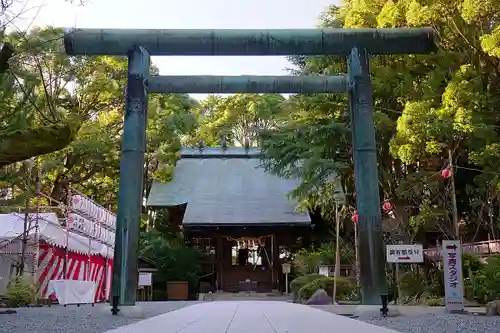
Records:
x=140, y=45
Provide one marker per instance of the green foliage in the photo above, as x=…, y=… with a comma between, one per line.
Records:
x=423, y=106
x=345, y=288
x=413, y=285
x=491, y=280
x=471, y=264
x=307, y=261
x=164, y=225
x=237, y=117
x=174, y=260
x=433, y=301
x=68, y=112
x=302, y=280
x=19, y=293
x=481, y=282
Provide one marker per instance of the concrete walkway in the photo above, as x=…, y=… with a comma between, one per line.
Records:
x=249, y=317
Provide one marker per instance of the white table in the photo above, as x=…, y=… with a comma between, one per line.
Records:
x=73, y=291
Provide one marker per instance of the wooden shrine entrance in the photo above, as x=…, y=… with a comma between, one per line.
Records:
x=243, y=260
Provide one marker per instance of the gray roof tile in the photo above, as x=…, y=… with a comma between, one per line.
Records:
x=227, y=191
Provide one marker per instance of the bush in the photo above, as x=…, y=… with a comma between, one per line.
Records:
x=306, y=261
x=411, y=285
x=415, y=285
x=301, y=281
x=174, y=260
x=491, y=273
x=471, y=264
x=345, y=288
x=19, y=293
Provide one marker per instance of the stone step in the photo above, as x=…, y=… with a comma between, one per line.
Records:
x=224, y=296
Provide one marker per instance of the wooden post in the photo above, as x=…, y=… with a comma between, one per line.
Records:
x=453, y=196
x=219, y=262
x=337, y=252
x=398, y=284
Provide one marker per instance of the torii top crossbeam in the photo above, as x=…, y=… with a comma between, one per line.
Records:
x=245, y=42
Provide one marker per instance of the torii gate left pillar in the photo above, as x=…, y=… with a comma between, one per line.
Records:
x=139, y=45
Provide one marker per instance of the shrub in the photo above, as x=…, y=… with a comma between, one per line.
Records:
x=491, y=272
x=471, y=264
x=175, y=261
x=307, y=261
x=411, y=284
x=345, y=288
x=19, y=293
x=431, y=300
x=301, y=281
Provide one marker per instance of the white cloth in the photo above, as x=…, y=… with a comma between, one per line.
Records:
x=73, y=291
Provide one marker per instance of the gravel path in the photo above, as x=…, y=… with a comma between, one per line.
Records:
x=73, y=319
x=439, y=324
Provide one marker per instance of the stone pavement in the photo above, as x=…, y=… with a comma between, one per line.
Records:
x=249, y=317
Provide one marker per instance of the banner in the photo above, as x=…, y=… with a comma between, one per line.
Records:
x=88, y=208
x=90, y=228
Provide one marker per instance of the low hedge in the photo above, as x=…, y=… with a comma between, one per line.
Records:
x=345, y=288
x=301, y=281
x=19, y=293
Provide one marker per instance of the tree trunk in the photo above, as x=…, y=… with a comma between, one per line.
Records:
x=60, y=189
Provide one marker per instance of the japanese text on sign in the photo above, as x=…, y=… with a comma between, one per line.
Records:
x=452, y=270
x=145, y=279
x=453, y=277
x=403, y=252
x=412, y=253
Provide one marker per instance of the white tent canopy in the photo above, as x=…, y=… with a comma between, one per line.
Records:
x=50, y=231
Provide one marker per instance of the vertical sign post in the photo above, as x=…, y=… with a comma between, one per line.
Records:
x=453, y=276
x=286, y=267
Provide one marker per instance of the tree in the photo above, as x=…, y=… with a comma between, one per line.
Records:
x=423, y=106
x=237, y=117
x=50, y=91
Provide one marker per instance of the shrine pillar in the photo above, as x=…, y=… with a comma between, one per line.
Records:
x=219, y=266
x=275, y=262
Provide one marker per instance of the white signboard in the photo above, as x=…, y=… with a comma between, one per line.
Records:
x=324, y=270
x=145, y=279
x=453, y=277
x=413, y=253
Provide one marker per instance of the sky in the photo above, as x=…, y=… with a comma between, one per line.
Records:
x=183, y=14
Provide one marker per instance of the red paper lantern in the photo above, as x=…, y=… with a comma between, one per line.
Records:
x=446, y=173
x=355, y=217
x=387, y=206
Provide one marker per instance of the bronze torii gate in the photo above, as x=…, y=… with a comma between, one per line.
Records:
x=140, y=45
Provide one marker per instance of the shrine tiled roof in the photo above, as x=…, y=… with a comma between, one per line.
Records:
x=227, y=188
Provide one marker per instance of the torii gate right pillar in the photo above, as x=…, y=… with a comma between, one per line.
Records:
x=372, y=260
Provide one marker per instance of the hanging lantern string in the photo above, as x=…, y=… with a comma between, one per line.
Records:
x=446, y=166
x=414, y=186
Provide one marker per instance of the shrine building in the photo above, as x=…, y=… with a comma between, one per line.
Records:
x=237, y=214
